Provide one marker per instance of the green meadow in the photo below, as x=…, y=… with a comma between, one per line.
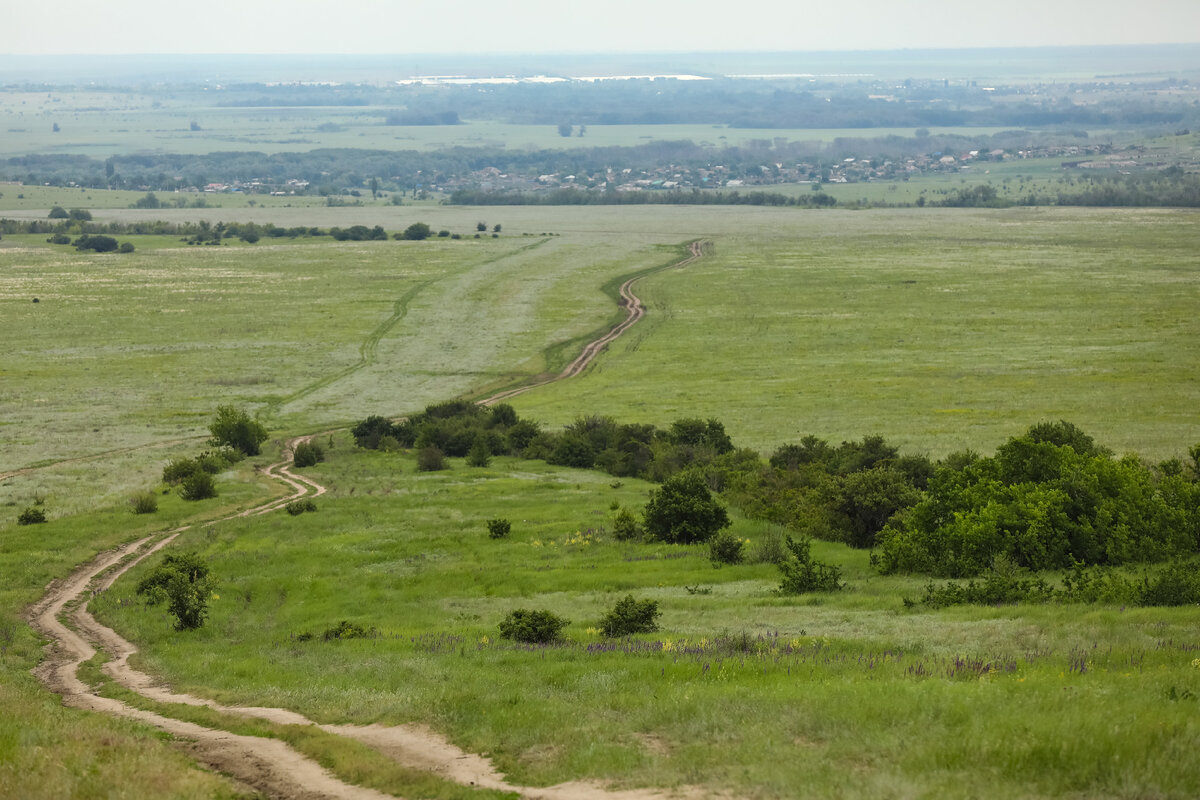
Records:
x=940, y=329
x=741, y=691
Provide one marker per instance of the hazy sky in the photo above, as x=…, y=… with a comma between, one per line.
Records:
x=533, y=26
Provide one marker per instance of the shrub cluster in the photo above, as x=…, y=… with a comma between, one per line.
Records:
x=1045, y=500
x=532, y=627
x=232, y=427
x=631, y=616
x=301, y=506
x=1176, y=583
x=194, y=476
x=308, y=454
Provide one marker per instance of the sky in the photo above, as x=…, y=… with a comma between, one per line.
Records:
x=545, y=26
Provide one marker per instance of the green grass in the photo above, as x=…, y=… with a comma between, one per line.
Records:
x=940, y=330
x=50, y=751
x=845, y=694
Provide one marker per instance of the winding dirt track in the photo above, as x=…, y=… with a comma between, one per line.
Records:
x=269, y=765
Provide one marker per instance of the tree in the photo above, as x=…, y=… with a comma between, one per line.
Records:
x=126, y=247
x=58, y=212
x=183, y=581
x=232, y=427
x=683, y=510
x=496, y=228
x=532, y=626
x=481, y=226
x=564, y=129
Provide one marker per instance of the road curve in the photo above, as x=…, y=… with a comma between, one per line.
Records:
x=270, y=765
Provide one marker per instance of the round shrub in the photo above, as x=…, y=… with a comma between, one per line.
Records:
x=198, y=486
x=631, y=616
x=532, y=627
x=144, y=503
x=498, y=528
x=308, y=454
x=726, y=548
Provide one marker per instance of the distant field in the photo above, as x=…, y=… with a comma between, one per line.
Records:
x=102, y=125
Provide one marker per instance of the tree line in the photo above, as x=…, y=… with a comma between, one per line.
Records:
x=1046, y=500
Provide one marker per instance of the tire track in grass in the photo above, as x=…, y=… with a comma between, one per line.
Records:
x=634, y=311
x=264, y=763
x=369, y=349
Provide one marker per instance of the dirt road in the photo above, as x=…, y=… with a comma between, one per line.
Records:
x=269, y=765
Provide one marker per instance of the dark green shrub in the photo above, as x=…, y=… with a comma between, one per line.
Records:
x=298, y=507
x=1003, y=583
x=532, y=627
x=626, y=527
x=59, y=238
x=683, y=511
x=197, y=486
x=183, y=581
x=416, y=232
x=31, y=516
x=479, y=455
x=1177, y=584
x=349, y=630
x=232, y=427
x=308, y=454
x=801, y=574
x=498, y=528
x=144, y=503
x=100, y=244
x=430, y=459
x=631, y=616
x=726, y=548
x=125, y=247
x=58, y=212
x=178, y=469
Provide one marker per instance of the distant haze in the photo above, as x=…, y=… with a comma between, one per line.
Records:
x=539, y=26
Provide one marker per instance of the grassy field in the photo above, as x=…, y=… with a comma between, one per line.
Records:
x=766, y=696
x=940, y=329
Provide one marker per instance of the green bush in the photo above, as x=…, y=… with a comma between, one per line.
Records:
x=532, y=627
x=298, y=507
x=31, y=516
x=197, y=486
x=480, y=455
x=801, y=574
x=726, y=548
x=630, y=616
x=144, y=503
x=183, y=581
x=626, y=527
x=430, y=459
x=308, y=454
x=232, y=427
x=683, y=511
x=125, y=247
x=498, y=528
